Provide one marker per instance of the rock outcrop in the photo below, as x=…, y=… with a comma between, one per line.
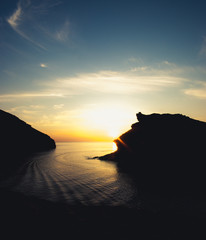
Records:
x=165, y=152
x=18, y=140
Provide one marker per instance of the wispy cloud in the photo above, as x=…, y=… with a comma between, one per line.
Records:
x=15, y=19
x=26, y=108
x=22, y=15
x=40, y=115
x=24, y=21
x=43, y=65
x=12, y=97
x=115, y=82
x=138, y=80
x=27, y=112
x=63, y=33
x=198, y=91
x=58, y=106
x=141, y=80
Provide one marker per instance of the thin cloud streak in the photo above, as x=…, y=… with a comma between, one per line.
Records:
x=18, y=18
x=15, y=18
x=114, y=83
x=25, y=16
x=105, y=82
x=58, y=106
x=11, y=97
x=63, y=34
x=142, y=80
x=198, y=92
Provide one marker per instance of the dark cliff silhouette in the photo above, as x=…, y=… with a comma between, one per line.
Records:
x=18, y=140
x=164, y=152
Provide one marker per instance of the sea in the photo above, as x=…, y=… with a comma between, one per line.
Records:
x=100, y=200
x=70, y=174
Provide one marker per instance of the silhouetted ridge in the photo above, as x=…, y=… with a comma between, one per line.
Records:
x=164, y=151
x=18, y=140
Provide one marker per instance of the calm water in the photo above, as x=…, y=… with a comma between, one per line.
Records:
x=68, y=174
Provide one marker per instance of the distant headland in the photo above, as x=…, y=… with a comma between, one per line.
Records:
x=19, y=139
x=164, y=152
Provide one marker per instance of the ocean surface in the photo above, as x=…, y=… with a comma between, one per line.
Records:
x=68, y=174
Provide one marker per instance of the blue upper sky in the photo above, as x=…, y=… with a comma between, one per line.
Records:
x=70, y=57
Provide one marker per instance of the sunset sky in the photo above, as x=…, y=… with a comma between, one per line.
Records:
x=80, y=70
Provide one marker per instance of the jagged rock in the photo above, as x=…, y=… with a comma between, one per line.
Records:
x=165, y=151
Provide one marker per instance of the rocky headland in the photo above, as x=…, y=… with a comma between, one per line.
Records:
x=19, y=140
x=164, y=152
x=160, y=151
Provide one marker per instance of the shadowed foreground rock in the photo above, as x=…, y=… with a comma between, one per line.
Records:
x=164, y=152
x=18, y=140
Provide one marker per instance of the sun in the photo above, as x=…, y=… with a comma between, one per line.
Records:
x=113, y=132
x=114, y=146
x=112, y=120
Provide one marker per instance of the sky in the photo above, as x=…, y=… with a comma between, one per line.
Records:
x=80, y=70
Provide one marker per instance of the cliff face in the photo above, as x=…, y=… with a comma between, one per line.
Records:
x=164, y=151
x=164, y=134
x=18, y=140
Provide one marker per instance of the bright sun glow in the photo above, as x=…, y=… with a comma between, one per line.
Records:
x=112, y=120
x=113, y=132
x=114, y=146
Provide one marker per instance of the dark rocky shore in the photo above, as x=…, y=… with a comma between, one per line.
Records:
x=165, y=153
x=19, y=140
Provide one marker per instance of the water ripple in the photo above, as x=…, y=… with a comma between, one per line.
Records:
x=66, y=175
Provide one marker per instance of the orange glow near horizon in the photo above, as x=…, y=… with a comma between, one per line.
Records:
x=107, y=122
x=68, y=135
x=102, y=123
x=87, y=134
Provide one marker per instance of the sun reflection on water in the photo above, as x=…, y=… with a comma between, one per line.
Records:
x=114, y=146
